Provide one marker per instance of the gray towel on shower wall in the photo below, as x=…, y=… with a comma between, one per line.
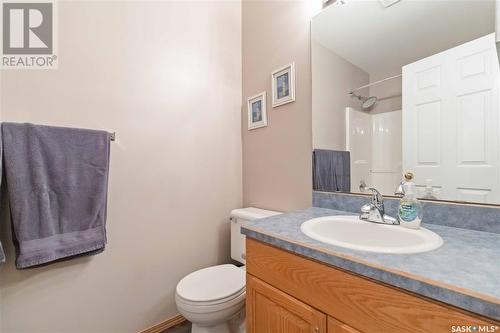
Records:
x=57, y=180
x=331, y=170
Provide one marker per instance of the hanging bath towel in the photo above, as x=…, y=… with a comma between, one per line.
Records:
x=57, y=180
x=331, y=170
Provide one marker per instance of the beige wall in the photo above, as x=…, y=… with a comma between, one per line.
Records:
x=332, y=78
x=166, y=76
x=277, y=158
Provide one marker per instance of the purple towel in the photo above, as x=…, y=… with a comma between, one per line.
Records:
x=57, y=180
x=331, y=170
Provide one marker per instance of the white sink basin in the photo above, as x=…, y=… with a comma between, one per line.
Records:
x=352, y=233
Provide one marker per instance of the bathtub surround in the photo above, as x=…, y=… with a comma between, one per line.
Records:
x=57, y=181
x=474, y=217
x=147, y=70
x=460, y=273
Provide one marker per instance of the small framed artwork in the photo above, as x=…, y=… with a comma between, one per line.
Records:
x=284, y=85
x=257, y=115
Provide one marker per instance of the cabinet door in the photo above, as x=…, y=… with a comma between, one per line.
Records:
x=335, y=326
x=270, y=310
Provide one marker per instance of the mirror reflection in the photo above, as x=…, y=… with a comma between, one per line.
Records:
x=407, y=86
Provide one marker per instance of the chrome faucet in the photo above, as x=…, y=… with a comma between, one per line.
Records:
x=375, y=211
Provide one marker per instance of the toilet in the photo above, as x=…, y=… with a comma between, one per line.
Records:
x=213, y=298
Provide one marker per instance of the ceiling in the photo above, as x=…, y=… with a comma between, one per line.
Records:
x=381, y=40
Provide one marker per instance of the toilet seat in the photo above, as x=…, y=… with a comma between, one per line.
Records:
x=212, y=285
x=211, y=307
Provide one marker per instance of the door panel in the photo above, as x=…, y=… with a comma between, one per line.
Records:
x=428, y=133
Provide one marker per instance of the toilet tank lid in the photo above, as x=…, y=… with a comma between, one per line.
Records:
x=252, y=213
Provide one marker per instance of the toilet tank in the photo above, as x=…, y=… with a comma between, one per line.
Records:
x=238, y=218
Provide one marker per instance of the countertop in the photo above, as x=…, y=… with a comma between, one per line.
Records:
x=464, y=271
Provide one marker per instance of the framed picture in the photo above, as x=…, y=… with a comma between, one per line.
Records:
x=257, y=115
x=284, y=85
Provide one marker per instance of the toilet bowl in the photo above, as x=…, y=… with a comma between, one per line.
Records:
x=213, y=298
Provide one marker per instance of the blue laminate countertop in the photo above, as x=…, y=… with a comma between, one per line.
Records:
x=464, y=272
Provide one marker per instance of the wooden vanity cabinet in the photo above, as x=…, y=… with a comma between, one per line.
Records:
x=287, y=293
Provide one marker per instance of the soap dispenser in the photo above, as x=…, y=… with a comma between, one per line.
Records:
x=410, y=209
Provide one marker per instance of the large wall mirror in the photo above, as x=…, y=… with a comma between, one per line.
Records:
x=407, y=86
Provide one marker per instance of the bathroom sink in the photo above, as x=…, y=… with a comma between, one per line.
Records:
x=352, y=233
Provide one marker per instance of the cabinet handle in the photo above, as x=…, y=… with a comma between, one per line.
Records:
x=316, y=329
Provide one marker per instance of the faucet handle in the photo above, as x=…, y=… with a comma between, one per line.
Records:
x=377, y=198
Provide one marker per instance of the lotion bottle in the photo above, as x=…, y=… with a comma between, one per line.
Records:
x=410, y=209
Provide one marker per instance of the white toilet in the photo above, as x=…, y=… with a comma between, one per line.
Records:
x=213, y=298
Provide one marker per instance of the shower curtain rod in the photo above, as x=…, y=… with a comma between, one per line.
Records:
x=374, y=83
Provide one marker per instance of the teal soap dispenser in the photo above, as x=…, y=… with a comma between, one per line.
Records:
x=410, y=209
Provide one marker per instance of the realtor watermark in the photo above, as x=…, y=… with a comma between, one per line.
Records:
x=475, y=328
x=29, y=34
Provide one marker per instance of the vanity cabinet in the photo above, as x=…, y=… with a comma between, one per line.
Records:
x=290, y=293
